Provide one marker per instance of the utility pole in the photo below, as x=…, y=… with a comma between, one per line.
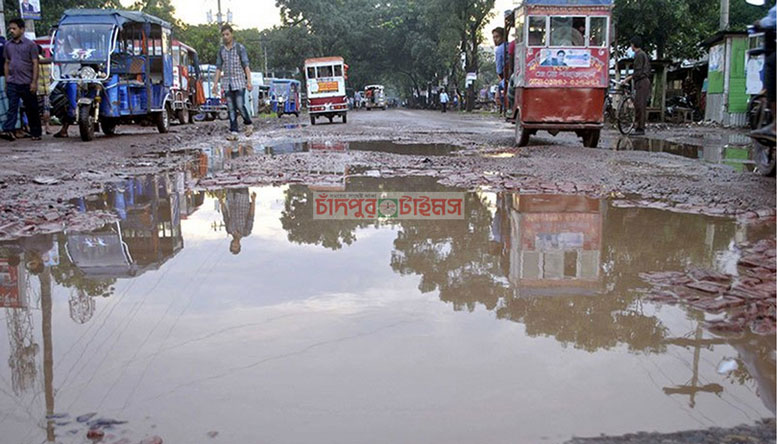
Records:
x=2, y=19
x=219, y=16
x=724, y=15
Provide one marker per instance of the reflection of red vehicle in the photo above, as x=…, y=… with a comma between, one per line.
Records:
x=561, y=67
x=556, y=242
x=326, y=88
x=11, y=282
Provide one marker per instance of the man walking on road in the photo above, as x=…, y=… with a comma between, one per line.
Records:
x=642, y=84
x=21, y=76
x=234, y=72
x=444, y=99
x=499, y=55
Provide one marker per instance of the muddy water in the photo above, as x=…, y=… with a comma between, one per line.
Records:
x=415, y=149
x=238, y=315
x=735, y=154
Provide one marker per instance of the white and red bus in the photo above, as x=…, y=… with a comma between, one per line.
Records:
x=326, y=88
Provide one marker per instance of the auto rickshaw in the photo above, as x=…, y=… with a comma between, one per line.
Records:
x=326, y=88
x=560, y=67
x=284, y=97
x=215, y=105
x=376, y=97
x=117, y=68
x=187, y=91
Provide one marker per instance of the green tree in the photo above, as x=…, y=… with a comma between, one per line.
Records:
x=51, y=11
x=674, y=28
x=162, y=9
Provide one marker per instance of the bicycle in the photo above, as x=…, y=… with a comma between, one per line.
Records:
x=626, y=116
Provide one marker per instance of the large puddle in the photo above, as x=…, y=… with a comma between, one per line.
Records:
x=735, y=154
x=239, y=316
x=414, y=149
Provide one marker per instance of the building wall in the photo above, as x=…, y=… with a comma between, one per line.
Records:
x=737, y=98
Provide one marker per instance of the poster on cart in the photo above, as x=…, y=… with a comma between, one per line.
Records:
x=566, y=68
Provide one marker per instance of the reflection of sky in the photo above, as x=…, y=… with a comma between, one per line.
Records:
x=304, y=344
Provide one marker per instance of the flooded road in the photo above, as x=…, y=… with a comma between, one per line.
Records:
x=238, y=316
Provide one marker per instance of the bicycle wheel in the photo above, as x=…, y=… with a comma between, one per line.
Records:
x=627, y=116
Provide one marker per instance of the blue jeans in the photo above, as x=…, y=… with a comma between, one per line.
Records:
x=15, y=94
x=235, y=104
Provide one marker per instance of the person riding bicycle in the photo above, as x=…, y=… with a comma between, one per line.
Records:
x=768, y=24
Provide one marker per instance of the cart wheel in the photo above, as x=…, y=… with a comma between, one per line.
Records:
x=312, y=119
x=521, y=134
x=209, y=117
x=296, y=115
x=108, y=126
x=86, y=123
x=223, y=115
x=183, y=115
x=331, y=119
x=345, y=118
x=163, y=120
x=591, y=138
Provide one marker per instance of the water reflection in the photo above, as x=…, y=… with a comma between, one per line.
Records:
x=382, y=146
x=735, y=154
x=521, y=273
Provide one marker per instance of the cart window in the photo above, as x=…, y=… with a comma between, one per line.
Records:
x=324, y=71
x=338, y=71
x=311, y=73
x=598, y=32
x=537, y=31
x=567, y=31
x=519, y=28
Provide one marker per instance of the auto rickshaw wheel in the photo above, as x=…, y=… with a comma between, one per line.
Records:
x=223, y=115
x=331, y=119
x=183, y=116
x=86, y=123
x=280, y=114
x=591, y=138
x=163, y=120
x=109, y=126
x=521, y=133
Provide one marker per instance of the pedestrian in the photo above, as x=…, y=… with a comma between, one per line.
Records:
x=444, y=99
x=237, y=208
x=3, y=96
x=456, y=100
x=21, y=74
x=44, y=89
x=234, y=71
x=642, y=85
x=499, y=54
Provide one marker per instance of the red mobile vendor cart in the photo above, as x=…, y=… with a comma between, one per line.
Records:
x=561, y=67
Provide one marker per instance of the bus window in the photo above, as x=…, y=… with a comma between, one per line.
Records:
x=324, y=71
x=567, y=31
x=338, y=71
x=598, y=32
x=519, y=28
x=537, y=31
x=311, y=73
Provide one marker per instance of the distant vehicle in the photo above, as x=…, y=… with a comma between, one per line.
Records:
x=187, y=92
x=285, y=97
x=215, y=105
x=375, y=97
x=326, y=88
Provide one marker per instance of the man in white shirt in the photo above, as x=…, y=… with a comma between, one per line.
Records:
x=444, y=99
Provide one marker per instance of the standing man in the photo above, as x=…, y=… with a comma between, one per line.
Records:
x=444, y=99
x=642, y=85
x=21, y=74
x=234, y=72
x=499, y=53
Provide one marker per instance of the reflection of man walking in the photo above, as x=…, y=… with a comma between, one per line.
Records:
x=642, y=85
x=238, y=210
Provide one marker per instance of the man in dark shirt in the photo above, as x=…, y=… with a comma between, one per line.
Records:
x=21, y=76
x=642, y=86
